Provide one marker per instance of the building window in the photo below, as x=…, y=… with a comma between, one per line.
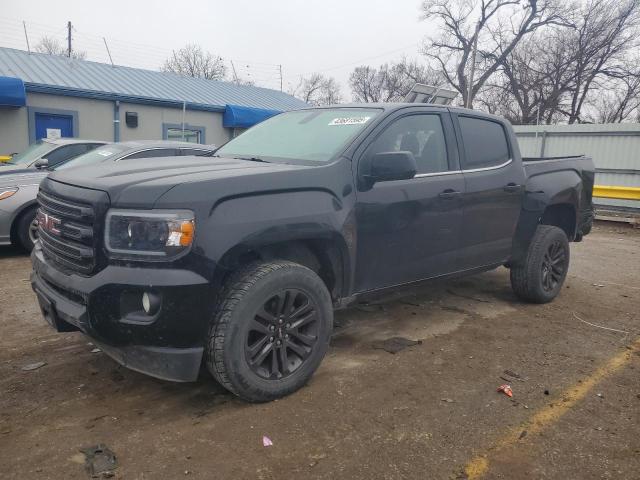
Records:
x=192, y=134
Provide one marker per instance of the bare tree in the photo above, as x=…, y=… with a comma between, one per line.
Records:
x=53, y=46
x=617, y=98
x=581, y=72
x=390, y=82
x=607, y=31
x=494, y=27
x=192, y=61
x=318, y=90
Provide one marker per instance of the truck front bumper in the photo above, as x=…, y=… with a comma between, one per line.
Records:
x=167, y=344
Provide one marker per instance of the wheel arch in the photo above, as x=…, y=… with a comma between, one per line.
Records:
x=327, y=256
x=25, y=207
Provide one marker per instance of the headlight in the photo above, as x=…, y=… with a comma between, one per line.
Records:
x=8, y=192
x=156, y=234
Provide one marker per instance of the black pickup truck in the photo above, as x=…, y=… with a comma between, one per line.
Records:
x=237, y=261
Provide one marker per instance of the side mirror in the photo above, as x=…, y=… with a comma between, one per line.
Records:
x=387, y=166
x=41, y=163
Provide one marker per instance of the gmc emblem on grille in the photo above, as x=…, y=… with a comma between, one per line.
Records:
x=48, y=223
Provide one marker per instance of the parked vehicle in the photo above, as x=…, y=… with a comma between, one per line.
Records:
x=18, y=188
x=48, y=153
x=240, y=262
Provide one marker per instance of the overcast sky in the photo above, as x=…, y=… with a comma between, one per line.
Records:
x=304, y=36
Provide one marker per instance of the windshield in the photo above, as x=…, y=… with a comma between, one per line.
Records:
x=31, y=154
x=307, y=135
x=100, y=154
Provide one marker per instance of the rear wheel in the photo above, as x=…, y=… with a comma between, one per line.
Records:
x=540, y=276
x=270, y=331
x=27, y=229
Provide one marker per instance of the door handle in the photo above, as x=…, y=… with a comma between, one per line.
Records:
x=448, y=193
x=512, y=187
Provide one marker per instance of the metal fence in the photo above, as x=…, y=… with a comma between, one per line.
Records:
x=615, y=149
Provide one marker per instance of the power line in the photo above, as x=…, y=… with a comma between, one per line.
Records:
x=360, y=61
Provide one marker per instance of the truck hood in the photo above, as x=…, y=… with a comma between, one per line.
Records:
x=139, y=183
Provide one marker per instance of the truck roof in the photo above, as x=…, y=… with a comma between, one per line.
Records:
x=391, y=106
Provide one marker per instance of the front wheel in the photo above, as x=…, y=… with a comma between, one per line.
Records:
x=540, y=276
x=27, y=229
x=270, y=331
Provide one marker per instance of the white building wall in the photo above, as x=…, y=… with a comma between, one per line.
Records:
x=14, y=134
x=95, y=121
x=151, y=120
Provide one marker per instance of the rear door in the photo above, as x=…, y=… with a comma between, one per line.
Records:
x=494, y=185
x=409, y=230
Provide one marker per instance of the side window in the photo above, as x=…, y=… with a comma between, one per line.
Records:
x=66, y=152
x=193, y=151
x=157, y=152
x=421, y=135
x=485, y=143
x=188, y=135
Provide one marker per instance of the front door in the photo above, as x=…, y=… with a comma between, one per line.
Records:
x=53, y=126
x=494, y=187
x=409, y=230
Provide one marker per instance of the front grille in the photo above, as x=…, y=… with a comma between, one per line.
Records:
x=67, y=234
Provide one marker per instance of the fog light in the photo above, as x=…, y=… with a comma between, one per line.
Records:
x=150, y=303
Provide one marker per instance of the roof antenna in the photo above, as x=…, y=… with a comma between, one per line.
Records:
x=24, y=24
x=108, y=52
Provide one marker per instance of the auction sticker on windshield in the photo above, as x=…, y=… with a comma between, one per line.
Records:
x=349, y=121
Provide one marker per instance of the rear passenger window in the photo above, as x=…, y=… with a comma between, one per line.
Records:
x=193, y=151
x=156, y=152
x=485, y=143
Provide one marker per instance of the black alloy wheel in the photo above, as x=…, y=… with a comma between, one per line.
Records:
x=282, y=334
x=553, y=266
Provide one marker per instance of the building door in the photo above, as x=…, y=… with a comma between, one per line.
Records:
x=53, y=126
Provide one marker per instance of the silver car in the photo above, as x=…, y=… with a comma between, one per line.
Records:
x=49, y=153
x=19, y=187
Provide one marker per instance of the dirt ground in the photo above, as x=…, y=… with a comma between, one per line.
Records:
x=430, y=411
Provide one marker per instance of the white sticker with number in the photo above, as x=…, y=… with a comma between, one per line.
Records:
x=54, y=133
x=349, y=121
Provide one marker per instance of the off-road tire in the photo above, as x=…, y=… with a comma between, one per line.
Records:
x=528, y=276
x=23, y=225
x=244, y=293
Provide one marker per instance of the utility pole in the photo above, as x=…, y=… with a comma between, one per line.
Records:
x=24, y=24
x=69, y=39
x=474, y=51
x=280, y=68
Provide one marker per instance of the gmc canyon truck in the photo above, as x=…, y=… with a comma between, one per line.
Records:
x=237, y=262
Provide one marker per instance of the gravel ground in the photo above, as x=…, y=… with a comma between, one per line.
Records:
x=428, y=411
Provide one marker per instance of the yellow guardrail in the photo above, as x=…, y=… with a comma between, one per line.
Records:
x=623, y=193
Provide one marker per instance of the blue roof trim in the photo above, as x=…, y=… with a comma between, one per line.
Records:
x=236, y=116
x=12, y=93
x=76, y=92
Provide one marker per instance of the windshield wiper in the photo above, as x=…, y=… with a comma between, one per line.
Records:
x=251, y=159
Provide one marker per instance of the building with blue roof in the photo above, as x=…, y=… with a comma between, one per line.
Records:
x=45, y=95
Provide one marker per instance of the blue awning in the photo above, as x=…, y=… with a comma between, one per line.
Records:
x=245, y=117
x=12, y=92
